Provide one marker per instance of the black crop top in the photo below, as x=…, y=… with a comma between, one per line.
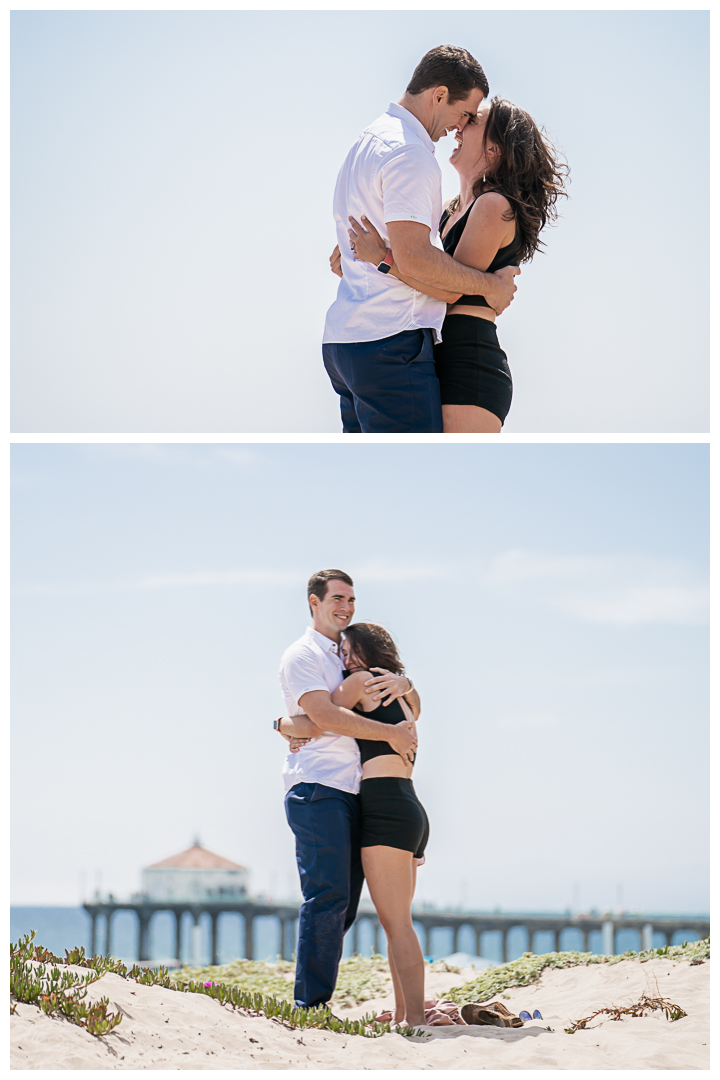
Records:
x=385, y=714
x=506, y=256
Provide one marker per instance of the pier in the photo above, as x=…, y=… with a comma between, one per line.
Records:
x=478, y=923
x=145, y=909
x=555, y=925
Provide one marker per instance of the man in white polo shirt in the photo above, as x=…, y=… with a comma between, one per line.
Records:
x=379, y=333
x=322, y=782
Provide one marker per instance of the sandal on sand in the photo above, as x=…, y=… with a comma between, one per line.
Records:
x=511, y=1020
x=494, y=1014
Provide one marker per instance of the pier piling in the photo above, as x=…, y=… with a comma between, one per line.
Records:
x=213, y=947
x=249, y=948
x=178, y=935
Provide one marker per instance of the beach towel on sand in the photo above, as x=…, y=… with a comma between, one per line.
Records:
x=444, y=1013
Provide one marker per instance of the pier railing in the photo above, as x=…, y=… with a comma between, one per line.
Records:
x=287, y=915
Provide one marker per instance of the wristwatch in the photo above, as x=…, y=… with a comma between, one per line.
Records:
x=276, y=724
x=385, y=266
x=410, y=687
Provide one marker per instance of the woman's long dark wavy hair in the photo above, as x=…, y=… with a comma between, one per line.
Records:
x=528, y=171
x=374, y=647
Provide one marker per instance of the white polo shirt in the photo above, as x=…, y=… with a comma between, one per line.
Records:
x=313, y=662
x=390, y=174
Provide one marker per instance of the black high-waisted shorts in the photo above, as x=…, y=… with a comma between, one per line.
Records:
x=392, y=815
x=471, y=366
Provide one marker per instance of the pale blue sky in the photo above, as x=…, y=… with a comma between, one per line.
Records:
x=548, y=600
x=172, y=212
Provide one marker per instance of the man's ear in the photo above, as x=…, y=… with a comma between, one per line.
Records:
x=440, y=95
x=312, y=597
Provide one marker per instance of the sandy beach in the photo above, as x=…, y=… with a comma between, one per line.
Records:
x=168, y=1029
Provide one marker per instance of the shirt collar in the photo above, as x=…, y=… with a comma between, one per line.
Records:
x=407, y=117
x=325, y=643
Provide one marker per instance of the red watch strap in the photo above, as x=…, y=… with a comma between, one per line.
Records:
x=388, y=257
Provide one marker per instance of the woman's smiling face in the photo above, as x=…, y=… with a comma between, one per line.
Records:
x=352, y=662
x=470, y=156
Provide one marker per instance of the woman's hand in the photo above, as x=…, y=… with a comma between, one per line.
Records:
x=387, y=685
x=336, y=262
x=297, y=744
x=367, y=243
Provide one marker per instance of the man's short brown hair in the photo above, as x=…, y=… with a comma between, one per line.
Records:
x=448, y=65
x=318, y=583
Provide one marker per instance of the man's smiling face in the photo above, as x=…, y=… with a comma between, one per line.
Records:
x=335, y=611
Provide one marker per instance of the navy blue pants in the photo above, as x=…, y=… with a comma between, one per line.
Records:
x=388, y=385
x=326, y=823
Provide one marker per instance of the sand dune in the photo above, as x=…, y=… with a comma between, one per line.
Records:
x=167, y=1029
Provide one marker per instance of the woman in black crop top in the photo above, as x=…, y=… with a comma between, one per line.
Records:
x=393, y=822
x=510, y=180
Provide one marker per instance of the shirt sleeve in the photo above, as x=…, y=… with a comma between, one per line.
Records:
x=303, y=672
x=409, y=182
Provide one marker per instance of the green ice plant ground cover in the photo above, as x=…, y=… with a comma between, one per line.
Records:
x=36, y=978
x=254, y=976
x=529, y=967
x=360, y=978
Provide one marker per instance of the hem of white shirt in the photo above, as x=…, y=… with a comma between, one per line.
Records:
x=309, y=689
x=437, y=336
x=336, y=787
x=411, y=217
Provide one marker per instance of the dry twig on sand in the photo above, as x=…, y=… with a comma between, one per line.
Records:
x=645, y=1005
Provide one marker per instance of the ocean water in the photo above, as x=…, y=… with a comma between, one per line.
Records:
x=61, y=928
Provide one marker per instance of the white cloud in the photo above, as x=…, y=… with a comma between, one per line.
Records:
x=294, y=578
x=651, y=604
x=375, y=571
x=202, y=456
x=613, y=589
x=237, y=456
x=228, y=578
x=199, y=579
x=519, y=565
x=382, y=571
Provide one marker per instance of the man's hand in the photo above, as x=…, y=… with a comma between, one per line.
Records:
x=387, y=685
x=501, y=296
x=336, y=262
x=297, y=744
x=403, y=739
